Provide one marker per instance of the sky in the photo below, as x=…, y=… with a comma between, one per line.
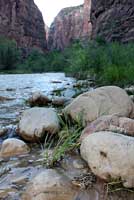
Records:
x=50, y=8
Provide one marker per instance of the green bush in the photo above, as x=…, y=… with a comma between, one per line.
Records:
x=110, y=63
x=9, y=54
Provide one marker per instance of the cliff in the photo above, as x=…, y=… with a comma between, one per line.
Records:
x=70, y=24
x=113, y=20
x=21, y=20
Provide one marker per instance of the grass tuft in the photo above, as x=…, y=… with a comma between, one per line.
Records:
x=68, y=140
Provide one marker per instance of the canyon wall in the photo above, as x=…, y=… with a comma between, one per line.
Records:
x=113, y=20
x=70, y=24
x=22, y=21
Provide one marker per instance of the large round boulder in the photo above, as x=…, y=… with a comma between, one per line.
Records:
x=110, y=155
x=106, y=100
x=13, y=147
x=49, y=185
x=36, y=122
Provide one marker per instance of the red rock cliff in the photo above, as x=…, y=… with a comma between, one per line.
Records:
x=21, y=20
x=87, y=27
x=70, y=24
x=113, y=19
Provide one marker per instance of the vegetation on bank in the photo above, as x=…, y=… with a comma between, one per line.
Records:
x=107, y=63
x=9, y=54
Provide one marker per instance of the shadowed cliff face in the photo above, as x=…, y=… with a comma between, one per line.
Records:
x=21, y=20
x=113, y=19
x=70, y=24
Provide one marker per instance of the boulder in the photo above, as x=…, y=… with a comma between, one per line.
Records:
x=112, y=123
x=38, y=99
x=36, y=122
x=110, y=155
x=103, y=123
x=127, y=124
x=106, y=100
x=49, y=185
x=13, y=147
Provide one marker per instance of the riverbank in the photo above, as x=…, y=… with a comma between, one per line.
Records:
x=42, y=151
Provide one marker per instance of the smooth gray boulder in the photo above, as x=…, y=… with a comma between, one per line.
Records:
x=110, y=155
x=36, y=122
x=106, y=100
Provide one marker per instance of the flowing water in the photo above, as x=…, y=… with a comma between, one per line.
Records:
x=18, y=88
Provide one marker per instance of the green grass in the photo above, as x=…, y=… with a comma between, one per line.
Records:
x=68, y=140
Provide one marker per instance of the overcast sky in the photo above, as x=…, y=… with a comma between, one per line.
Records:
x=50, y=8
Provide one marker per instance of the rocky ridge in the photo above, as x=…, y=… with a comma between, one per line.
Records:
x=70, y=24
x=22, y=21
x=113, y=20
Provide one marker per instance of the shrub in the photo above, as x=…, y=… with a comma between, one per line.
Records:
x=9, y=54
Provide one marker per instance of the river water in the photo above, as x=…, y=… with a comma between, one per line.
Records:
x=18, y=88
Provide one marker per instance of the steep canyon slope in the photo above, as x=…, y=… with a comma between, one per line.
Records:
x=22, y=21
x=70, y=24
x=113, y=20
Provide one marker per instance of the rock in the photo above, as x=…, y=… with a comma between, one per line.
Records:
x=23, y=22
x=103, y=123
x=10, y=89
x=13, y=147
x=112, y=123
x=83, y=83
x=110, y=155
x=3, y=131
x=20, y=180
x=132, y=97
x=5, y=98
x=101, y=101
x=130, y=90
x=36, y=122
x=38, y=99
x=49, y=185
x=79, y=164
x=60, y=101
x=70, y=24
x=127, y=124
x=113, y=20
x=56, y=81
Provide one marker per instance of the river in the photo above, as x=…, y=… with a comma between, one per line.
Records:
x=18, y=88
